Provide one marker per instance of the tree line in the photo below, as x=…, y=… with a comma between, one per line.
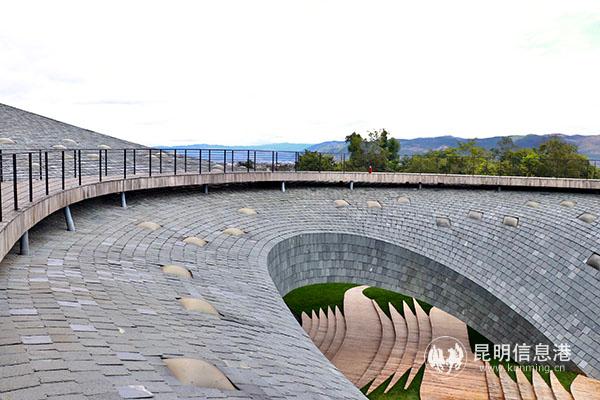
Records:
x=379, y=151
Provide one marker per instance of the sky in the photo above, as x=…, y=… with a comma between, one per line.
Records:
x=254, y=72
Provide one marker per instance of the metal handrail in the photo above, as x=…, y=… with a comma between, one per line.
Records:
x=125, y=163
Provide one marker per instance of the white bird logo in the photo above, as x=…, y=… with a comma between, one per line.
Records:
x=437, y=360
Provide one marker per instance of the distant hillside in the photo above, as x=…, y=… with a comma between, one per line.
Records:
x=272, y=146
x=588, y=145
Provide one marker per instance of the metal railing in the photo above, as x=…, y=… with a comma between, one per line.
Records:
x=51, y=170
x=48, y=171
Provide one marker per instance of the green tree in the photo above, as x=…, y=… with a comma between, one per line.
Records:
x=561, y=159
x=378, y=150
x=466, y=158
x=357, y=158
x=315, y=161
x=473, y=159
x=504, y=148
x=519, y=162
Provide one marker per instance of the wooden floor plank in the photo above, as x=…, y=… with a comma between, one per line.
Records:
x=424, y=339
x=540, y=387
x=509, y=387
x=322, y=329
x=388, y=337
x=558, y=390
x=412, y=341
x=493, y=384
x=306, y=322
x=314, y=325
x=340, y=333
x=393, y=361
x=584, y=388
x=330, y=331
x=363, y=334
x=470, y=381
x=525, y=387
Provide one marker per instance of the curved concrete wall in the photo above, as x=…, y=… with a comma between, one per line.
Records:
x=338, y=257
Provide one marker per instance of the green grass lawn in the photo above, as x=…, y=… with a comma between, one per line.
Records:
x=315, y=297
x=398, y=392
x=319, y=296
x=384, y=297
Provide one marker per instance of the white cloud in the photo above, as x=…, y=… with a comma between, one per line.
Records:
x=240, y=72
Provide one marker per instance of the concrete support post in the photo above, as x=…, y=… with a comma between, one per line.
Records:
x=206, y=189
x=283, y=187
x=420, y=186
x=123, y=200
x=69, y=219
x=24, y=244
x=351, y=185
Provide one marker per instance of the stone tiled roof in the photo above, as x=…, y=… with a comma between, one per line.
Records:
x=83, y=299
x=33, y=131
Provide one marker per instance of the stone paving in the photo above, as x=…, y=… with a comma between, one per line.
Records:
x=91, y=315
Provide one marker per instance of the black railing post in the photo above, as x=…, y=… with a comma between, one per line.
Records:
x=149, y=162
x=124, y=163
x=224, y=161
x=232, y=161
x=100, y=165
x=74, y=163
x=79, y=165
x=40, y=162
x=248, y=162
x=296, y=159
x=134, y=163
x=106, y=162
x=62, y=169
x=254, y=160
x=209, y=154
x=1, y=167
x=200, y=161
x=160, y=161
x=272, y=161
x=276, y=160
x=175, y=161
x=30, y=177
x=46, y=170
x=185, y=160
x=15, y=189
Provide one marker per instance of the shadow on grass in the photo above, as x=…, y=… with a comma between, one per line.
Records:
x=398, y=392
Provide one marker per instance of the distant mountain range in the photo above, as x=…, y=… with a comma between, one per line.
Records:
x=588, y=145
x=270, y=146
